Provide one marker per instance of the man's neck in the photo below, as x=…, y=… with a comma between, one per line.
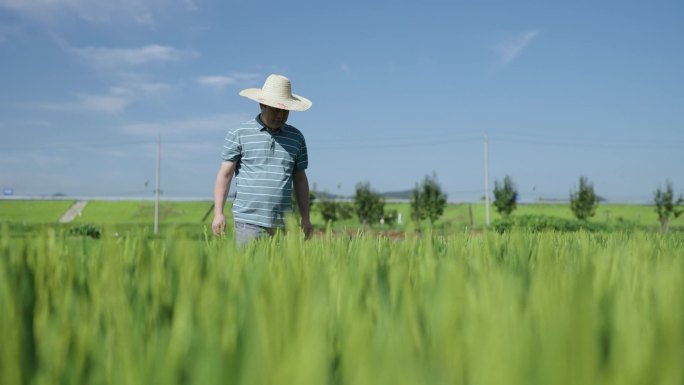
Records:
x=268, y=127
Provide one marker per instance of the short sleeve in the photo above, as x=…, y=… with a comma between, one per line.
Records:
x=302, y=157
x=232, y=149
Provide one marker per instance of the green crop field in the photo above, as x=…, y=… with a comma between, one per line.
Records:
x=606, y=213
x=515, y=308
x=141, y=212
x=456, y=216
x=33, y=211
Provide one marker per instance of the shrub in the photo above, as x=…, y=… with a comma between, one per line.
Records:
x=666, y=206
x=505, y=196
x=329, y=209
x=368, y=204
x=428, y=200
x=390, y=217
x=584, y=201
x=345, y=210
x=86, y=230
x=537, y=223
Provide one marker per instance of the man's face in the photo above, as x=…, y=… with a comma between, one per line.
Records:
x=273, y=118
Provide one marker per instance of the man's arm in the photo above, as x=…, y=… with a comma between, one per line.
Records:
x=301, y=188
x=223, y=178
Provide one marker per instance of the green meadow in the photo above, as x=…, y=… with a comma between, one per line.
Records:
x=33, y=211
x=484, y=308
x=142, y=212
x=456, y=216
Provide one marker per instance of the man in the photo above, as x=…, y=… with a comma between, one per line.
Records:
x=268, y=158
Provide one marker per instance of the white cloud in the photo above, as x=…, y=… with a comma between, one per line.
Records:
x=92, y=103
x=215, y=123
x=104, y=103
x=127, y=57
x=89, y=10
x=140, y=89
x=116, y=100
x=513, y=47
x=96, y=11
x=219, y=82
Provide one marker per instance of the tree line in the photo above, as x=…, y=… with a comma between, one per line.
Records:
x=428, y=201
x=584, y=201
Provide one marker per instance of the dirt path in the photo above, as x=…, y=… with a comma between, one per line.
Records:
x=73, y=212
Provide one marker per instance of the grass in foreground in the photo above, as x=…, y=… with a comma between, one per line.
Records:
x=491, y=309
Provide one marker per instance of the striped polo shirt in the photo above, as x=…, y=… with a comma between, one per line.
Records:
x=265, y=161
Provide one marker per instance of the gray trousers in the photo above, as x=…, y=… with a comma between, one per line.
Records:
x=246, y=232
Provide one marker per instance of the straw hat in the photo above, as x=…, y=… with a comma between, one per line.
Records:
x=277, y=92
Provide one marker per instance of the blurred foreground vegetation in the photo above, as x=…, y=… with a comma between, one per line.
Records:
x=486, y=308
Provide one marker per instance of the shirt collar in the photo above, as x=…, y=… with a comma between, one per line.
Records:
x=263, y=126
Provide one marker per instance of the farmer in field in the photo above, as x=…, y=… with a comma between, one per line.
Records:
x=268, y=158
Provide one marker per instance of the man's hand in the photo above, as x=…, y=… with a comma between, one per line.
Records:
x=219, y=224
x=307, y=228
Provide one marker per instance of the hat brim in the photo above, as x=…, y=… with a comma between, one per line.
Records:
x=296, y=103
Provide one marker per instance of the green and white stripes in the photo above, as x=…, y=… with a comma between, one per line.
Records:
x=266, y=161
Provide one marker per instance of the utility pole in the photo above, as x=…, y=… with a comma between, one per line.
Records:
x=486, y=173
x=156, y=190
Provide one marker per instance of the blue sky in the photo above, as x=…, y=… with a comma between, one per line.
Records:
x=400, y=90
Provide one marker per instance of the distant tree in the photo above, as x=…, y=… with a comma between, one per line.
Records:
x=505, y=196
x=389, y=217
x=584, y=201
x=328, y=208
x=428, y=200
x=666, y=206
x=345, y=210
x=368, y=204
